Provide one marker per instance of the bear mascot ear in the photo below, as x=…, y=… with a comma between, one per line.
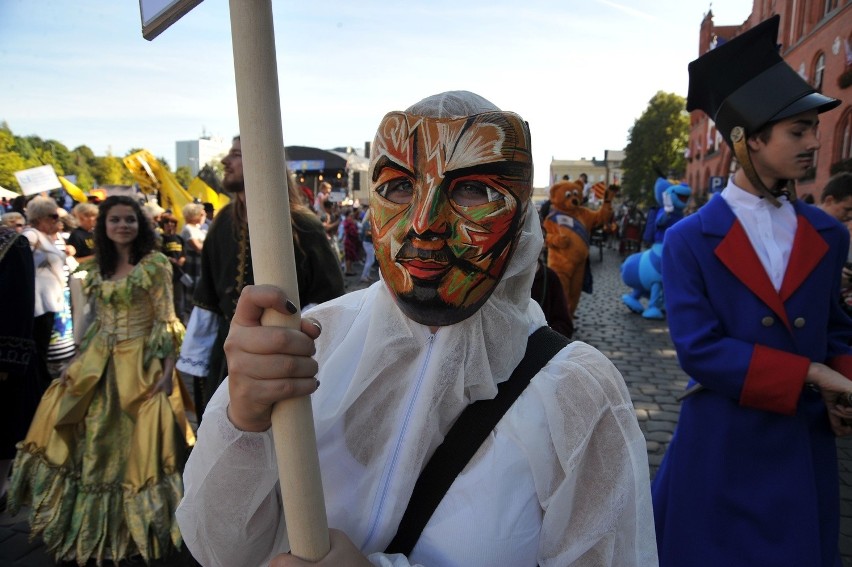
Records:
x=557, y=192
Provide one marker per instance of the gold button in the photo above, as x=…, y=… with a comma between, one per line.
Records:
x=767, y=321
x=799, y=322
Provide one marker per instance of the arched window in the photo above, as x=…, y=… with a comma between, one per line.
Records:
x=829, y=6
x=843, y=136
x=819, y=71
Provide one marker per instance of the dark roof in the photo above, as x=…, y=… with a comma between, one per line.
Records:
x=304, y=153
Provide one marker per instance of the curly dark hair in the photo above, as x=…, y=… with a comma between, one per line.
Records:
x=105, y=251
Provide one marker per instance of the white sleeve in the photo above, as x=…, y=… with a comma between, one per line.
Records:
x=198, y=342
x=231, y=510
x=596, y=498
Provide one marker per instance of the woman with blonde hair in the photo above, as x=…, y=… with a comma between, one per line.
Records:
x=193, y=235
x=50, y=280
x=14, y=220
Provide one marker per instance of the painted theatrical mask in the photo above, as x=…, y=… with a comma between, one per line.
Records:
x=448, y=196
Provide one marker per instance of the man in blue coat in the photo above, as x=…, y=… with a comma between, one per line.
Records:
x=752, y=285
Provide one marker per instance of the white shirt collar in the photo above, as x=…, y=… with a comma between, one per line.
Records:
x=736, y=197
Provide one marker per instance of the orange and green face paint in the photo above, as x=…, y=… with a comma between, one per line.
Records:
x=447, y=201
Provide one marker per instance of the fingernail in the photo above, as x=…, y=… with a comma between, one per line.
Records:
x=318, y=383
x=291, y=307
x=317, y=325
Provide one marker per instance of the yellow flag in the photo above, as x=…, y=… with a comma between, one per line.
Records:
x=206, y=194
x=151, y=176
x=75, y=192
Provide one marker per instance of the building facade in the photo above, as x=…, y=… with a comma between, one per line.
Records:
x=195, y=154
x=607, y=170
x=594, y=168
x=815, y=38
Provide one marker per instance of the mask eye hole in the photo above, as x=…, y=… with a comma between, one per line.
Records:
x=472, y=193
x=399, y=191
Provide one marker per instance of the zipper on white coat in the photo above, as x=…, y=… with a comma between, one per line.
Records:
x=379, y=505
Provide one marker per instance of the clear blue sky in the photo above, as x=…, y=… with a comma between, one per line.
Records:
x=579, y=71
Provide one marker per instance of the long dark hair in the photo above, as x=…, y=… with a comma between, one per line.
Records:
x=105, y=251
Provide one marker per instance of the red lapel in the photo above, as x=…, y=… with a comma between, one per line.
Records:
x=736, y=252
x=808, y=249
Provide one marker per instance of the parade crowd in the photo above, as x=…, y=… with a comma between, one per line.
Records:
x=454, y=353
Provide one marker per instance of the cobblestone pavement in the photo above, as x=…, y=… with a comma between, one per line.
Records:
x=642, y=351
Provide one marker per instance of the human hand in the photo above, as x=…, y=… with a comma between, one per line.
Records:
x=64, y=379
x=164, y=384
x=343, y=553
x=836, y=392
x=846, y=278
x=267, y=364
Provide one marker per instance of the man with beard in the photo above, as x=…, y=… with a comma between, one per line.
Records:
x=560, y=478
x=752, y=286
x=226, y=270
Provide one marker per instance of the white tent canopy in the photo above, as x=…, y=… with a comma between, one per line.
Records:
x=8, y=194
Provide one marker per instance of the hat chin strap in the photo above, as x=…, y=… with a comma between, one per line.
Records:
x=744, y=158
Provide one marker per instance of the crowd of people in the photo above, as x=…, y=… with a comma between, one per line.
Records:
x=463, y=344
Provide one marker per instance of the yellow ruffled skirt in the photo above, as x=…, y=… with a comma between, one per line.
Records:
x=101, y=464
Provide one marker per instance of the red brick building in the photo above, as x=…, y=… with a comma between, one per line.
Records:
x=816, y=41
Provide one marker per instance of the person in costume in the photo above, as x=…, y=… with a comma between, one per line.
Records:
x=563, y=477
x=100, y=466
x=226, y=269
x=642, y=270
x=568, y=226
x=19, y=388
x=752, y=284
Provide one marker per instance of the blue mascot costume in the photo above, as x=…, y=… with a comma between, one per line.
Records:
x=643, y=271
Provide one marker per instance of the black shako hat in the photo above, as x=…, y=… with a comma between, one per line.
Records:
x=745, y=82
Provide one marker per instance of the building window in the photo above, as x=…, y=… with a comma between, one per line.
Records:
x=829, y=6
x=819, y=71
x=844, y=136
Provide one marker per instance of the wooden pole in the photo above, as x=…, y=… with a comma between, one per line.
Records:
x=268, y=208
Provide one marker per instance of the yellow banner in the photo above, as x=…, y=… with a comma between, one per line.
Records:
x=75, y=192
x=151, y=176
x=206, y=194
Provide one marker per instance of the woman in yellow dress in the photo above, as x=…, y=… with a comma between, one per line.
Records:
x=101, y=464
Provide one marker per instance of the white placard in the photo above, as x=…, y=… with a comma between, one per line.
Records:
x=38, y=179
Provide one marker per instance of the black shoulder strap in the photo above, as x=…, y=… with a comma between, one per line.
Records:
x=466, y=436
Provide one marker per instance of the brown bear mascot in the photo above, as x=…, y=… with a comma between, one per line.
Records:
x=567, y=227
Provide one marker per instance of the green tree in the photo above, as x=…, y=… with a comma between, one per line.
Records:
x=657, y=142
x=184, y=176
x=85, y=153
x=62, y=158
x=108, y=170
x=10, y=162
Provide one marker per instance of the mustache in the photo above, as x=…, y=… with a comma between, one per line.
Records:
x=410, y=252
x=442, y=255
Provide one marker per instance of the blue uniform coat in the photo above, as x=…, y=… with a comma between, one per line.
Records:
x=750, y=477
